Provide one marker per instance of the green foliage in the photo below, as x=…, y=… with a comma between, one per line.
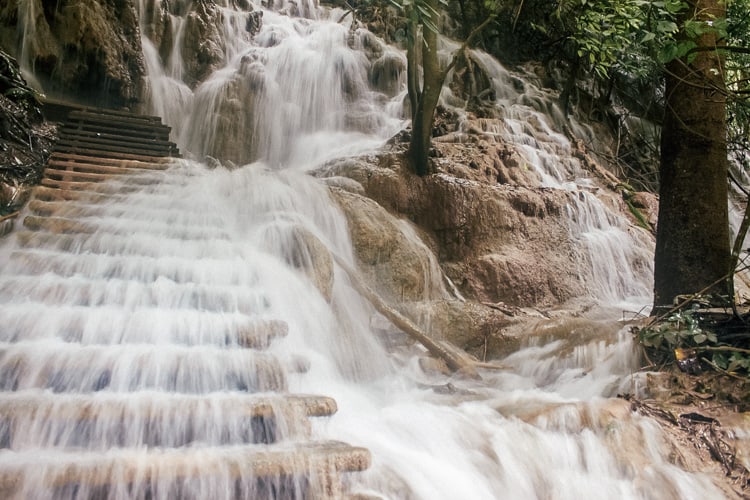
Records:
x=632, y=35
x=738, y=81
x=419, y=12
x=627, y=35
x=685, y=337
x=732, y=361
x=680, y=330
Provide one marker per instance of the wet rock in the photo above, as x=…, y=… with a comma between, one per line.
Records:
x=345, y=184
x=433, y=367
x=390, y=254
x=472, y=326
x=386, y=73
x=25, y=139
x=312, y=256
x=236, y=114
x=203, y=48
x=243, y=4
x=497, y=243
x=83, y=47
x=303, y=250
x=647, y=204
x=470, y=79
x=518, y=278
x=367, y=42
x=254, y=22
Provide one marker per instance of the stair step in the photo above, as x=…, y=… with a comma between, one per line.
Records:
x=125, y=184
x=113, y=225
x=209, y=271
x=98, y=129
x=40, y=419
x=58, y=225
x=81, y=150
x=86, y=322
x=148, y=246
x=77, y=176
x=68, y=367
x=123, y=211
x=117, y=185
x=147, y=470
x=46, y=193
x=140, y=149
x=107, y=117
x=64, y=108
x=119, y=140
x=92, y=168
x=158, y=163
x=97, y=194
x=72, y=186
x=23, y=405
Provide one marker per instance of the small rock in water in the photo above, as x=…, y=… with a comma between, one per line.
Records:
x=432, y=366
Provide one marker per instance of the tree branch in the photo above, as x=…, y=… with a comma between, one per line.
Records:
x=467, y=43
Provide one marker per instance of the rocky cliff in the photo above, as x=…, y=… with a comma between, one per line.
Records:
x=83, y=49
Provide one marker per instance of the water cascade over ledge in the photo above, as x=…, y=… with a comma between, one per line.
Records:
x=148, y=313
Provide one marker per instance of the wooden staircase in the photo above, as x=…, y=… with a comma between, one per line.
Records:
x=74, y=423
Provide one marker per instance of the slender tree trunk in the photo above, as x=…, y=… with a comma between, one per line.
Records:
x=692, y=241
x=412, y=68
x=423, y=116
x=569, y=87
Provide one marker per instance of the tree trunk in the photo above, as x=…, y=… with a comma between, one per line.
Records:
x=423, y=116
x=692, y=240
x=412, y=68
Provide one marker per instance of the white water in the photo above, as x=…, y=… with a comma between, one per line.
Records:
x=146, y=311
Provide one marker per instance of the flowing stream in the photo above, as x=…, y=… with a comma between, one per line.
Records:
x=142, y=312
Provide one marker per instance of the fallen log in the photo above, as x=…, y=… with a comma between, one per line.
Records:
x=455, y=362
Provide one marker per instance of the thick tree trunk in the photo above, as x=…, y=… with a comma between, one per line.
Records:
x=692, y=241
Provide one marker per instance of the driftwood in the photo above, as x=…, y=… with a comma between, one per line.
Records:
x=455, y=361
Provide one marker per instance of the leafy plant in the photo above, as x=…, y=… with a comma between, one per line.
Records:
x=679, y=330
x=685, y=337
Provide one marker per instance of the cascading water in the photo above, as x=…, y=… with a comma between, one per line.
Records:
x=146, y=314
x=615, y=258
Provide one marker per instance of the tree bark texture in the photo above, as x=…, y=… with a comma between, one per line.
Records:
x=423, y=115
x=692, y=241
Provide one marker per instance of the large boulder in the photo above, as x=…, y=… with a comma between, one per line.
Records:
x=495, y=242
x=392, y=257
x=388, y=73
x=236, y=111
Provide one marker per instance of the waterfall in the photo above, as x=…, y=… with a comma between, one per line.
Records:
x=145, y=314
x=29, y=12
x=615, y=258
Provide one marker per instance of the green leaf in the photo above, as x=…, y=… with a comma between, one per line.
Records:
x=720, y=359
x=675, y=7
x=700, y=338
x=668, y=53
x=666, y=26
